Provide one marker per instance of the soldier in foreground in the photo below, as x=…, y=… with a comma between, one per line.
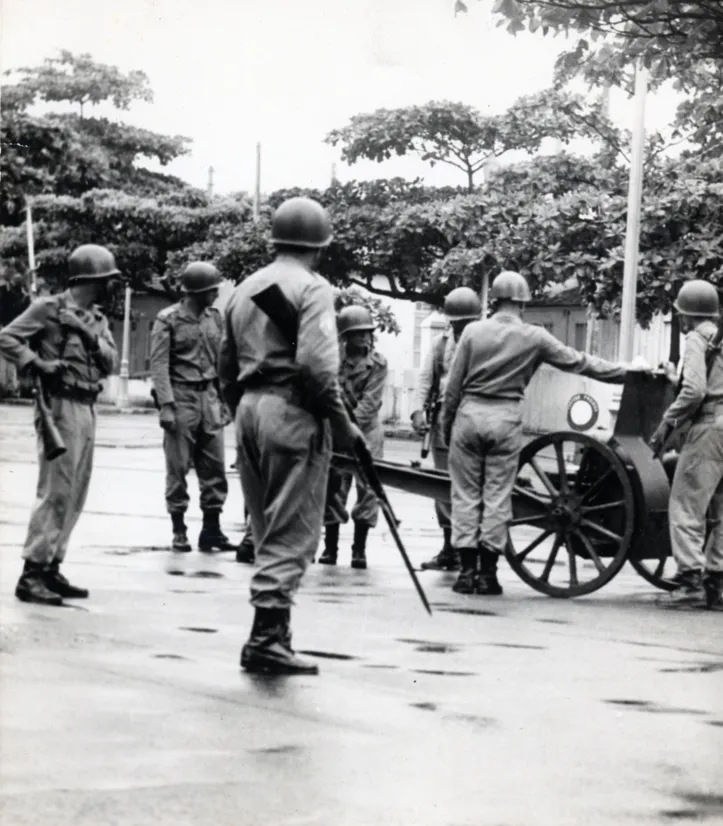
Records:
x=185, y=348
x=462, y=306
x=363, y=377
x=279, y=372
x=65, y=340
x=698, y=482
x=482, y=423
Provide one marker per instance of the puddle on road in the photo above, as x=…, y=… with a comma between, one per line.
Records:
x=185, y=591
x=436, y=648
x=198, y=629
x=718, y=723
x=206, y=575
x=555, y=621
x=169, y=657
x=696, y=668
x=135, y=549
x=475, y=720
x=652, y=708
x=381, y=666
x=477, y=612
x=75, y=607
x=699, y=808
x=516, y=645
x=440, y=673
x=288, y=749
x=332, y=601
x=424, y=706
x=328, y=655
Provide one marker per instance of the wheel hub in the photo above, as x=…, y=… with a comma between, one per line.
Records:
x=565, y=512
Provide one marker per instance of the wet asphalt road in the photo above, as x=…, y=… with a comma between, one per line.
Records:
x=130, y=709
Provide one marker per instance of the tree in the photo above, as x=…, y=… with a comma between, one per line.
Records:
x=71, y=153
x=668, y=36
x=460, y=136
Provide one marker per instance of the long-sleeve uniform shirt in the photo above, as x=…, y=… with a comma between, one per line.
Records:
x=496, y=359
x=185, y=348
x=37, y=331
x=363, y=384
x=435, y=368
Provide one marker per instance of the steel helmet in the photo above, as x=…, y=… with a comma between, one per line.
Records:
x=698, y=298
x=354, y=318
x=511, y=286
x=301, y=222
x=462, y=304
x=199, y=277
x=91, y=261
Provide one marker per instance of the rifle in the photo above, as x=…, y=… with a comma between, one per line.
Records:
x=712, y=350
x=431, y=410
x=53, y=444
x=279, y=309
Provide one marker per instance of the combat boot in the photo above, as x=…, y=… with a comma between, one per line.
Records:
x=359, y=546
x=212, y=539
x=688, y=592
x=331, y=545
x=446, y=559
x=487, y=583
x=268, y=650
x=713, y=586
x=58, y=584
x=180, y=544
x=31, y=586
x=246, y=551
x=467, y=580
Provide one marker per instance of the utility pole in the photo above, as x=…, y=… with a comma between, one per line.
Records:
x=632, y=236
x=31, y=249
x=122, y=401
x=257, y=184
x=210, y=182
x=334, y=179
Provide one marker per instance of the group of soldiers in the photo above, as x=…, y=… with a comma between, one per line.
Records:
x=299, y=380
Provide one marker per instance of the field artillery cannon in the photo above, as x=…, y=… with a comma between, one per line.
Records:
x=582, y=506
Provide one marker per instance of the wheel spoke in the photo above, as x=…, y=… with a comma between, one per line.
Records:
x=531, y=547
x=590, y=494
x=545, y=576
x=588, y=523
x=661, y=567
x=524, y=520
x=544, y=478
x=591, y=550
x=561, y=467
x=574, y=582
x=530, y=496
x=618, y=503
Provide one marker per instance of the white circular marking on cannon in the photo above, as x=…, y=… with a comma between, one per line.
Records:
x=582, y=412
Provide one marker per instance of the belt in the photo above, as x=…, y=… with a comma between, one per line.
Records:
x=75, y=394
x=203, y=384
x=284, y=391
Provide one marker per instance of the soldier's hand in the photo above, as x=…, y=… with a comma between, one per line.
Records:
x=670, y=371
x=49, y=368
x=167, y=418
x=660, y=437
x=67, y=318
x=418, y=422
x=226, y=416
x=349, y=436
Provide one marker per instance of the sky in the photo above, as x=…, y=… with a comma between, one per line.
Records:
x=229, y=73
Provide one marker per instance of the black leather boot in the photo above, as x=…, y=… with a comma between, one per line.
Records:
x=713, y=585
x=331, y=545
x=688, y=592
x=58, y=584
x=212, y=539
x=180, y=544
x=487, y=582
x=467, y=579
x=31, y=586
x=446, y=559
x=359, y=546
x=268, y=650
x=246, y=551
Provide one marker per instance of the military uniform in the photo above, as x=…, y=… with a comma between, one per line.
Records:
x=63, y=482
x=698, y=482
x=362, y=382
x=185, y=349
x=482, y=422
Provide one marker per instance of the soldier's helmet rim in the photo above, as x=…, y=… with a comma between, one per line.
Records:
x=91, y=262
x=199, y=277
x=354, y=318
x=462, y=304
x=698, y=299
x=301, y=222
x=511, y=286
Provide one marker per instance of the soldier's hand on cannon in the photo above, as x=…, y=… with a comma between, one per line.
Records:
x=167, y=418
x=660, y=437
x=48, y=368
x=638, y=365
x=348, y=436
x=670, y=371
x=418, y=422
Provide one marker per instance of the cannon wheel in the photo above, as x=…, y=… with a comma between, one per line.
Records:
x=652, y=571
x=587, y=511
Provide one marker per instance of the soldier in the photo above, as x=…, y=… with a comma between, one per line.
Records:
x=363, y=377
x=482, y=423
x=185, y=348
x=65, y=340
x=462, y=306
x=281, y=359
x=698, y=481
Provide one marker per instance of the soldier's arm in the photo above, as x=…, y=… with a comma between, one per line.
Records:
x=424, y=382
x=455, y=383
x=372, y=398
x=15, y=338
x=695, y=381
x=228, y=361
x=317, y=353
x=557, y=354
x=160, y=361
x=106, y=354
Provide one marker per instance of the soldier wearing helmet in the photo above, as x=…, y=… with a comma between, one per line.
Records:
x=363, y=377
x=280, y=372
x=482, y=423
x=185, y=348
x=462, y=306
x=697, y=487
x=66, y=341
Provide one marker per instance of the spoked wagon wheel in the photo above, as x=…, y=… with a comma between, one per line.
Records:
x=573, y=515
x=659, y=571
